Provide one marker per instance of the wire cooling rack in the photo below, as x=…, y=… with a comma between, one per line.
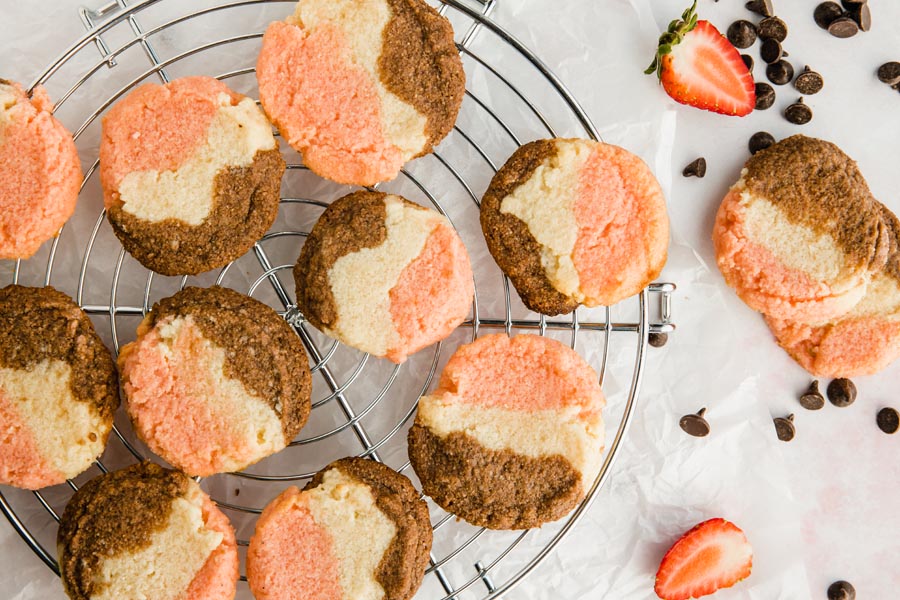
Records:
x=361, y=405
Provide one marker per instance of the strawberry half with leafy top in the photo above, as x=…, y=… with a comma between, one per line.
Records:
x=713, y=555
x=699, y=67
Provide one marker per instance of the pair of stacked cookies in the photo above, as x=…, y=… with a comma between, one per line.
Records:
x=801, y=239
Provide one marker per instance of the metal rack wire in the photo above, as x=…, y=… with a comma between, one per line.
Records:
x=354, y=395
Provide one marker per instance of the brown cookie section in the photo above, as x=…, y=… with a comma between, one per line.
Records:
x=111, y=514
x=497, y=489
x=245, y=204
x=509, y=240
x=403, y=565
x=348, y=225
x=261, y=349
x=820, y=187
x=38, y=324
x=892, y=267
x=419, y=63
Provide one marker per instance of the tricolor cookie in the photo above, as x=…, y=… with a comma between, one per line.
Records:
x=40, y=174
x=384, y=275
x=513, y=435
x=360, y=87
x=58, y=390
x=146, y=533
x=357, y=531
x=191, y=174
x=215, y=381
x=799, y=236
x=575, y=222
x=863, y=341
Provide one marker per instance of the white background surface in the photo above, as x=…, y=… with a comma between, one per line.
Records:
x=820, y=508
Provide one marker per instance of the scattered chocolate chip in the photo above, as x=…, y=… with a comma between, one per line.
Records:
x=809, y=82
x=760, y=141
x=771, y=51
x=760, y=7
x=695, y=425
x=785, y=428
x=658, y=340
x=798, y=113
x=812, y=399
x=827, y=13
x=843, y=28
x=742, y=34
x=889, y=73
x=888, y=420
x=780, y=72
x=765, y=95
x=862, y=15
x=748, y=60
x=772, y=28
x=841, y=392
x=841, y=590
x=696, y=168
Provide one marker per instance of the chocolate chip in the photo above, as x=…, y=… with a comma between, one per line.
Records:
x=841, y=590
x=772, y=28
x=748, y=60
x=695, y=425
x=843, y=28
x=862, y=15
x=696, y=168
x=771, y=51
x=827, y=13
x=760, y=141
x=784, y=428
x=798, y=113
x=780, y=72
x=841, y=392
x=809, y=82
x=760, y=7
x=889, y=73
x=765, y=95
x=812, y=399
x=888, y=420
x=848, y=4
x=658, y=340
x=742, y=34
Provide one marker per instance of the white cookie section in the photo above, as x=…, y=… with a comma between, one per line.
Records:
x=361, y=281
x=164, y=569
x=9, y=96
x=236, y=134
x=546, y=204
x=360, y=532
x=363, y=22
x=69, y=434
x=535, y=434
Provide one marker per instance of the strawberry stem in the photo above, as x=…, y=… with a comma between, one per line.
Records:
x=672, y=37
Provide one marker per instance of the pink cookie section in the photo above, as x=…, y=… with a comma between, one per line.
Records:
x=623, y=230
x=290, y=555
x=41, y=175
x=525, y=373
x=764, y=282
x=325, y=107
x=167, y=400
x=217, y=579
x=433, y=294
x=157, y=128
x=21, y=462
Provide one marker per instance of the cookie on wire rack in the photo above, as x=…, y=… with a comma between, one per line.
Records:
x=384, y=275
x=146, y=532
x=360, y=88
x=513, y=435
x=215, y=381
x=40, y=174
x=191, y=174
x=357, y=531
x=58, y=388
x=573, y=222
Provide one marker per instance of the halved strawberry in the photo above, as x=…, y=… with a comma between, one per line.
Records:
x=698, y=66
x=713, y=555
